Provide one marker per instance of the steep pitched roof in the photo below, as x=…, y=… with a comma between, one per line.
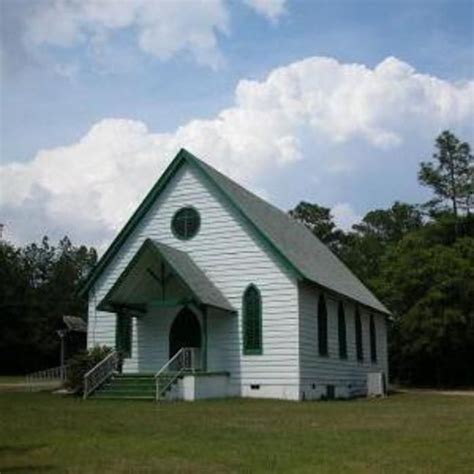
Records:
x=297, y=247
x=182, y=265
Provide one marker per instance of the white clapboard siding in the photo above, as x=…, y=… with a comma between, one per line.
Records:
x=232, y=255
x=347, y=373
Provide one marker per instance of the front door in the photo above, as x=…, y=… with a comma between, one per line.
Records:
x=185, y=332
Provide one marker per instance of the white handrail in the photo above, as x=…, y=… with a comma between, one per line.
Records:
x=187, y=358
x=100, y=372
x=165, y=367
x=47, y=375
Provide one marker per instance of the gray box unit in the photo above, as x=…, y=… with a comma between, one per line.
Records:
x=376, y=386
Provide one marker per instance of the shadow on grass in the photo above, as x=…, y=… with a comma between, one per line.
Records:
x=23, y=451
x=6, y=449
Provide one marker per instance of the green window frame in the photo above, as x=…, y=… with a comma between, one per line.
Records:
x=185, y=223
x=358, y=336
x=322, y=327
x=373, y=340
x=341, y=330
x=252, y=321
x=123, y=335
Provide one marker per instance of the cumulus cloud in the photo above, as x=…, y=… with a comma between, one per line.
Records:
x=90, y=187
x=163, y=28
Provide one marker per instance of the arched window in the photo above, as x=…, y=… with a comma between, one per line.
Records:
x=358, y=334
x=252, y=320
x=373, y=340
x=341, y=328
x=322, y=326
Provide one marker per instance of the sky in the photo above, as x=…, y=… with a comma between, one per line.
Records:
x=333, y=102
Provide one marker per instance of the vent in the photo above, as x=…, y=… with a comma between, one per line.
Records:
x=330, y=392
x=254, y=387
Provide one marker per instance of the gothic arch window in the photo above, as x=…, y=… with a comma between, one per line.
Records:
x=252, y=320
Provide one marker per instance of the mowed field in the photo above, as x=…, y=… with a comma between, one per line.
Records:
x=405, y=433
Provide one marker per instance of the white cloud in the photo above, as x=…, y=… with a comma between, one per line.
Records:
x=345, y=216
x=90, y=187
x=163, y=28
x=272, y=9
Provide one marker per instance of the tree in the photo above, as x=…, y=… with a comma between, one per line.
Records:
x=390, y=225
x=429, y=286
x=451, y=176
x=319, y=221
x=363, y=248
x=38, y=285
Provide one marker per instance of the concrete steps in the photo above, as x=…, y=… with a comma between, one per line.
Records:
x=134, y=387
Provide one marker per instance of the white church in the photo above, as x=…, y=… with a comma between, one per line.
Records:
x=209, y=291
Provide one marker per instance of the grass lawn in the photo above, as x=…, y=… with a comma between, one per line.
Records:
x=12, y=379
x=406, y=433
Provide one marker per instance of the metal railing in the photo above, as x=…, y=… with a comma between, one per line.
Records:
x=100, y=373
x=46, y=377
x=187, y=359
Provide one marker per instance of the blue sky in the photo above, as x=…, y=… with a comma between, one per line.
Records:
x=63, y=76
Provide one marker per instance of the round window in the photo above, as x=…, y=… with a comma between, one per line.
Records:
x=185, y=223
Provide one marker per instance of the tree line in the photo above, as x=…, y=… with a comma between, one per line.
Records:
x=417, y=258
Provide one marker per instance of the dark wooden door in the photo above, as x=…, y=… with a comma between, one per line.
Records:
x=185, y=332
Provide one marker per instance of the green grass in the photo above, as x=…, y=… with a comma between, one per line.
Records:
x=405, y=433
x=12, y=379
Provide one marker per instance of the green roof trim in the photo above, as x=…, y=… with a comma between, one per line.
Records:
x=303, y=254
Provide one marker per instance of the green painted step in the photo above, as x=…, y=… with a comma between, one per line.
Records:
x=104, y=396
x=133, y=387
x=128, y=386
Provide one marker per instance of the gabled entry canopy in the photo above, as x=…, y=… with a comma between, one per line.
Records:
x=162, y=276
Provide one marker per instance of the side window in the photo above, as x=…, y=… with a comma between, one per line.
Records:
x=123, y=335
x=252, y=321
x=373, y=340
x=322, y=326
x=341, y=328
x=358, y=336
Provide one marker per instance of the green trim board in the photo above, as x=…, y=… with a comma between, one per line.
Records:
x=264, y=238
x=284, y=247
x=132, y=223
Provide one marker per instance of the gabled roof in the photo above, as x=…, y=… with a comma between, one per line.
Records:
x=297, y=247
x=182, y=265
